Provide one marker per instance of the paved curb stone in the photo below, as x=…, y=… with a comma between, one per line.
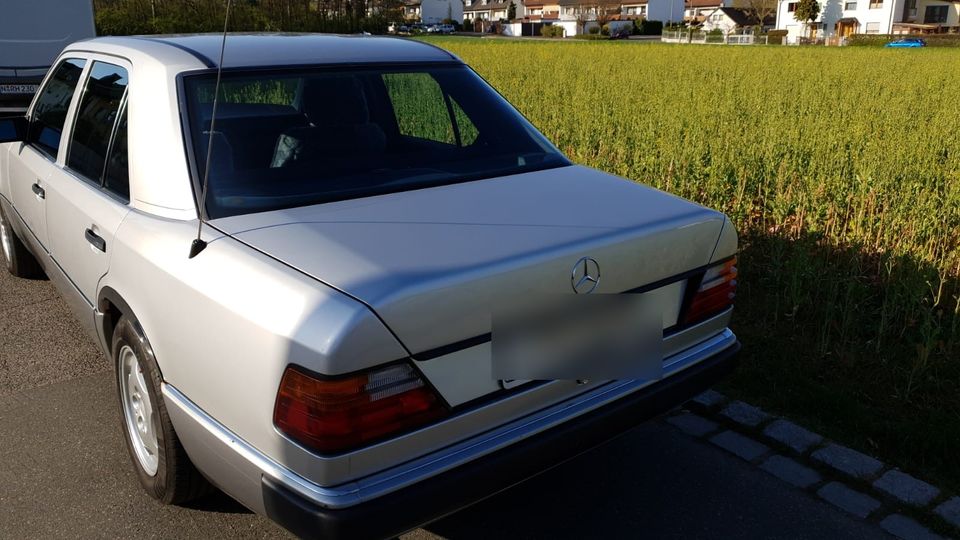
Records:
x=709, y=399
x=739, y=445
x=743, y=414
x=792, y=435
x=790, y=471
x=950, y=511
x=894, y=483
x=906, y=528
x=692, y=424
x=906, y=488
x=852, y=501
x=847, y=461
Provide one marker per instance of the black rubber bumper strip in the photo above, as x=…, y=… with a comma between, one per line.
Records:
x=431, y=499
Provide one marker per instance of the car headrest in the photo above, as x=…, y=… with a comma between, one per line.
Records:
x=321, y=144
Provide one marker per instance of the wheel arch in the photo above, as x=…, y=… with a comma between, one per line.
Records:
x=113, y=306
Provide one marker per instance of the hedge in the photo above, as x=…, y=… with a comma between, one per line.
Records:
x=643, y=27
x=551, y=30
x=879, y=40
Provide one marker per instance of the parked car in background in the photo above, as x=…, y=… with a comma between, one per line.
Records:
x=907, y=43
x=399, y=305
x=446, y=29
x=32, y=34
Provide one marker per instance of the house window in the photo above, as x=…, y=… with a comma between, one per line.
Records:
x=717, y=18
x=791, y=7
x=935, y=14
x=876, y=4
x=849, y=6
x=873, y=28
x=910, y=9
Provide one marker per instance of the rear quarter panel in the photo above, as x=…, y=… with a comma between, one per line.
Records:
x=225, y=324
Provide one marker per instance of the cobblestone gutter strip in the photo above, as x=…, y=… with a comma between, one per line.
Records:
x=904, y=506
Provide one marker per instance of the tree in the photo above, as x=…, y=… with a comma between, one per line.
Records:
x=601, y=11
x=606, y=9
x=807, y=12
x=583, y=13
x=759, y=10
x=512, y=11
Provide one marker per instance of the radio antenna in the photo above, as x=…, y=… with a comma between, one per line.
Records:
x=198, y=244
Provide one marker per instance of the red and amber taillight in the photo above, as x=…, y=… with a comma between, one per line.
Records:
x=717, y=290
x=338, y=414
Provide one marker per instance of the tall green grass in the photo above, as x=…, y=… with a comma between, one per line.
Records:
x=841, y=169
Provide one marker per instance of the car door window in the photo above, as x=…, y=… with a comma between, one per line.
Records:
x=50, y=112
x=116, y=179
x=95, y=120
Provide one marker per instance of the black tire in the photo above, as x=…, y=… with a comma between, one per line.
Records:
x=18, y=259
x=176, y=479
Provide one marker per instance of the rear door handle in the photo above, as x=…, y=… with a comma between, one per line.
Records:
x=40, y=193
x=95, y=240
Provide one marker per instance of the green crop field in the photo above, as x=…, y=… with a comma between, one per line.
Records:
x=841, y=169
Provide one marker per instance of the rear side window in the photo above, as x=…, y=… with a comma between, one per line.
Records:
x=420, y=106
x=96, y=118
x=424, y=111
x=50, y=112
x=116, y=180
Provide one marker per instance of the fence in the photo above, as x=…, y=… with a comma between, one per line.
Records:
x=695, y=36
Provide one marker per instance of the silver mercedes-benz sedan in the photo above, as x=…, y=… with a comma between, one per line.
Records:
x=402, y=299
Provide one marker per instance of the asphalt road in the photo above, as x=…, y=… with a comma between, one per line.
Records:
x=65, y=473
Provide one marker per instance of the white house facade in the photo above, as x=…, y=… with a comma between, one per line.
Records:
x=731, y=20
x=842, y=18
x=697, y=10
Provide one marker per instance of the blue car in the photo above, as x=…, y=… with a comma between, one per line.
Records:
x=908, y=43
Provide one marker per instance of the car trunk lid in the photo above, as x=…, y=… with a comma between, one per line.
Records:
x=433, y=263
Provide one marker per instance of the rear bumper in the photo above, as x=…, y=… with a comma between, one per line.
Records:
x=430, y=499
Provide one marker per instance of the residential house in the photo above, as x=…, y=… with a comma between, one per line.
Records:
x=539, y=10
x=731, y=20
x=490, y=10
x=432, y=11
x=842, y=18
x=570, y=11
x=931, y=16
x=697, y=10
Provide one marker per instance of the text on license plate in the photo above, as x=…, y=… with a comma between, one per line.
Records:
x=18, y=88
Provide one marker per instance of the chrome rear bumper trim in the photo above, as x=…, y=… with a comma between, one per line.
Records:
x=409, y=473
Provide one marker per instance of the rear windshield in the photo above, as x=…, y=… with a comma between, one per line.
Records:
x=293, y=138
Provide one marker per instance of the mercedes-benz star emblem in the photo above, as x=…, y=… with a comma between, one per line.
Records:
x=585, y=276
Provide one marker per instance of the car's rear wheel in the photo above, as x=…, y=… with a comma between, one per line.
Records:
x=19, y=261
x=161, y=463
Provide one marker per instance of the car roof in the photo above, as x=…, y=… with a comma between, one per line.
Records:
x=267, y=50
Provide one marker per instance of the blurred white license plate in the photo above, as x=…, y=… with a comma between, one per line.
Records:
x=18, y=88
x=598, y=337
